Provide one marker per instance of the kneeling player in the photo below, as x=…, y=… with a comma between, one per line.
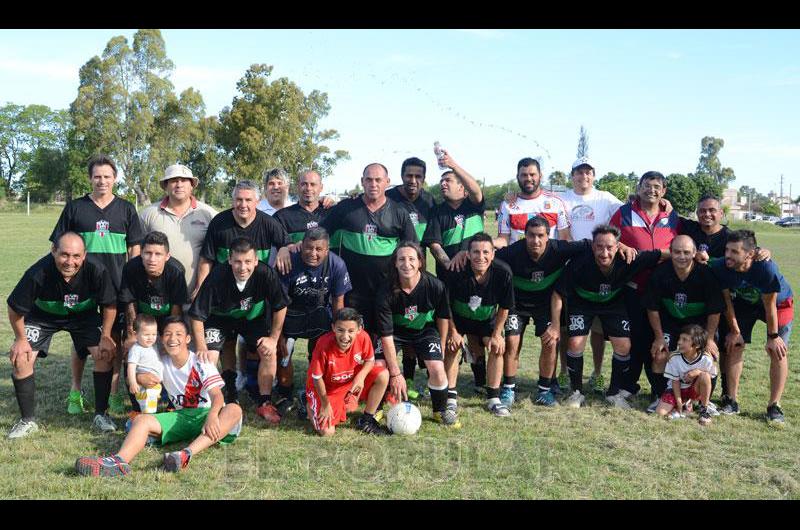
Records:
x=412, y=310
x=342, y=373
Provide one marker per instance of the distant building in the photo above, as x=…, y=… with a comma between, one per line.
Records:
x=737, y=208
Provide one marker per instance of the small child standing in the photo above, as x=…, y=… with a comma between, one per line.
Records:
x=143, y=360
x=690, y=369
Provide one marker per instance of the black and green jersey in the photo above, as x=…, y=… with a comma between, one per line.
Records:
x=684, y=302
x=43, y=293
x=153, y=297
x=220, y=295
x=419, y=211
x=365, y=240
x=408, y=315
x=583, y=283
x=714, y=244
x=107, y=232
x=534, y=281
x=264, y=231
x=296, y=220
x=452, y=228
x=470, y=300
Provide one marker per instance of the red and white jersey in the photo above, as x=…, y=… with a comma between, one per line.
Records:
x=335, y=367
x=513, y=218
x=188, y=386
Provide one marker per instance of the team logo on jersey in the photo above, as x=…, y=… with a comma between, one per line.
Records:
x=547, y=205
x=357, y=358
x=474, y=302
x=605, y=288
x=101, y=227
x=680, y=299
x=703, y=247
x=582, y=212
x=246, y=304
x=311, y=224
x=32, y=333
x=301, y=280
x=664, y=221
x=414, y=218
x=71, y=300
x=411, y=312
x=370, y=231
x=459, y=219
x=156, y=302
x=213, y=336
x=537, y=276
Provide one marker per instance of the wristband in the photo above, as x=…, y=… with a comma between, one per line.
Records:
x=398, y=374
x=772, y=335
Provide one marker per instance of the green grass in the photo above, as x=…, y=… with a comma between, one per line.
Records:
x=591, y=453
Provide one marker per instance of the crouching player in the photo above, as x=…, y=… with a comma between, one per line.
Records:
x=194, y=389
x=690, y=370
x=342, y=373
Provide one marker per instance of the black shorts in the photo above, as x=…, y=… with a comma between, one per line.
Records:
x=118, y=328
x=614, y=319
x=220, y=329
x=427, y=346
x=479, y=328
x=85, y=333
x=517, y=322
x=307, y=324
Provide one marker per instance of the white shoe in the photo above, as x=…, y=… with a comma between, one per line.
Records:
x=624, y=393
x=22, y=428
x=241, y=380
x=651, y=408
x=675, y=415
x=575, y=400
x=618, y=401
x=104, y=423
x=712, y=409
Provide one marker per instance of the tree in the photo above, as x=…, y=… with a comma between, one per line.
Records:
x=273, y=124
x=771, y=208
x=682, y=192
x=618, y=184
x=706, y=185
x=583, y=143
x=558, y=178
x=709, y=163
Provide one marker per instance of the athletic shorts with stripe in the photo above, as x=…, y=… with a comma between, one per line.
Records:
x=427, y=347
x=614, y=320
x=85, y=333
x=337, y=399
x=219, y=329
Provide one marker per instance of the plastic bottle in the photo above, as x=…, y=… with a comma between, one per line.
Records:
x=438, y=150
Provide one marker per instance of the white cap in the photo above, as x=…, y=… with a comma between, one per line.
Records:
x=582, y=161
x=179, y=170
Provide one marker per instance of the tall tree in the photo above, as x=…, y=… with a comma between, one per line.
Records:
x=618, y=184
x=558, y=178
x=709, y=163
x=682, y=192
x=273, y=124
x=583, y=144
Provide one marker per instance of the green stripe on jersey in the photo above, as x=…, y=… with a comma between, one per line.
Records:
x=223, y=253
x=524, y=284
x=420, y=228
x=107, y=243
x=58, y=308
x=150, y=310
x=297, y=237
x=368, y=245
x=419, y=322
x=336, y=239
x=748, y=294
x=594, y=297
x=454, y=236
x=243, y=314
x=694, y=309
x=481, y=313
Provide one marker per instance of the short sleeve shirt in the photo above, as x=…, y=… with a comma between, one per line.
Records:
x=335, y=367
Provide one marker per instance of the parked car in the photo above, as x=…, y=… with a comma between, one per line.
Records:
x=789, y=222
x=772, y=219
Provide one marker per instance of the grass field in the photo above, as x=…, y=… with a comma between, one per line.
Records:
x=591, y=453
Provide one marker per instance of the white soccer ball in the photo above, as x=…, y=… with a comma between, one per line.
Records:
x=404, y=418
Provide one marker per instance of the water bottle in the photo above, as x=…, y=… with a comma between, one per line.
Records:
x=438, y=150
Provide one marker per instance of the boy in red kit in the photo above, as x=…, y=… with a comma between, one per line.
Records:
x=342, y=373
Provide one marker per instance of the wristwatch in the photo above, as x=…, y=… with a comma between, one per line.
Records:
x=772, y=335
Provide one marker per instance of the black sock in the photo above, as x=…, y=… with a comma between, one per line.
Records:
x=713, y=386
x=438, y=398
x=544, y=383
x=264, y=399
x=231, y=394
x=409, y=367
x=26, y=396
x=102, y=390
x=620, y=366
x=452, y=393
x=553, y=381
x=575, y=370
x=134, y=403
x=660, y=386
x=492, y=392
x=284, y=391
x=510, y=381
x=724, y=383
x=479, y=371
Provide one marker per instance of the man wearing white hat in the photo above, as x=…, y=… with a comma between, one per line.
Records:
x=182, y=217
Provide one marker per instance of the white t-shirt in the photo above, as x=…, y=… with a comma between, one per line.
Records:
x=678, y=367
x=587, y=211
x=146, y=360
x=188, y=386
x=268, y=209
x=513, y=219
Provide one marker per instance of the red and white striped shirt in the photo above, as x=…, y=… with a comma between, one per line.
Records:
x=513, y=218
x=188, y=385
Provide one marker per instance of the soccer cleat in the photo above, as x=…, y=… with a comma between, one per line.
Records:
x=302, y=411
x=116, y=403
x=703, y=418
x=22, y=428
x=102, y=466
x=712, y=409
x=448, y=418
x=175, y=461
x=284, y=405
x=651, y=408
x=379, y=415
x=413, y=395
x=104, y=423
x=729, y=406
x=498, y=409
x=507, y=396
x=546, y=398
x=452, y=404
x=775, y=416
x=369, y=425
x=618, y=401
x=597, y=383
x=575, y=400
x=75, y=402
x=269, y=413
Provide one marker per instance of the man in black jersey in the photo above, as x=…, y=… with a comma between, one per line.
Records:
x=364, y=232
x=112, y=232
x=680, y=292
x=244, y=297
x=480, y=298
x=62, y=292
x=708, y=234
x=592, y=283
x=306, y=214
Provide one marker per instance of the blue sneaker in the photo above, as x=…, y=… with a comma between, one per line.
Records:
x=546, y=398
x=507, y=396
x=559, y=384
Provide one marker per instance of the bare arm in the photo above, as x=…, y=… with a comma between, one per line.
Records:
x=337, y=303
x=565, y=234
x=439, y=254
x=133, y=251
x=469, y=182
x=397, y=385
x=203, y=269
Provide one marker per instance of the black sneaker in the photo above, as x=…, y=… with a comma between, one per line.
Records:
x=729, y=406
x=370, y=425
x=301, y=405
x=284, y=405
x=775, y=416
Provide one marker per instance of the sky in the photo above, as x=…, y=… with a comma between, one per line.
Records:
x=491, y=97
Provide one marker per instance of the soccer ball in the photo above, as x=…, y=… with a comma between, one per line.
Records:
x=404, y=418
